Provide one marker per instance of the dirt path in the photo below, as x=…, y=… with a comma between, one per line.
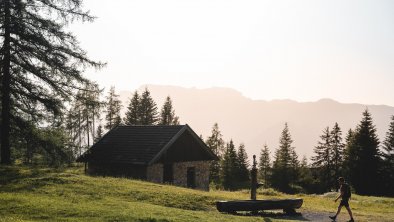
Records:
x=322, y=216
x=302, y=216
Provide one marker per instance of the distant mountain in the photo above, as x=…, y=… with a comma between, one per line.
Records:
x=256, y=122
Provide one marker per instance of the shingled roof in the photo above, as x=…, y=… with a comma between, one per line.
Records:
x=139, y=144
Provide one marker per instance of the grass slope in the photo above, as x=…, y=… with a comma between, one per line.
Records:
x=42, y=194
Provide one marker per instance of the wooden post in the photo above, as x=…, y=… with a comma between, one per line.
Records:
x=254, y=184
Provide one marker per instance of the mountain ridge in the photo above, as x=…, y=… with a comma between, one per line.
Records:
x=256, y=122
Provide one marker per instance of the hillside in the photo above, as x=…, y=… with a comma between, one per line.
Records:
x=255, y=122
x=42, y=194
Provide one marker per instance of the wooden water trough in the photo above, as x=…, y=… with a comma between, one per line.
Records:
x=287, y=205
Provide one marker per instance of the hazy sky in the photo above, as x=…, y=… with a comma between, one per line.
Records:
x=301, y=50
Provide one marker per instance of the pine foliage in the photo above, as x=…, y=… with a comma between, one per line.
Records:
x=388, y=160
x=167, y=114
x=216, y=144
x=322, y=160
x=148, y=109
x=242, y=165
x=265, y=165
x=132, y=114
x=229, y=167
x=364, y=157
x=113, y=107
x=285, y=165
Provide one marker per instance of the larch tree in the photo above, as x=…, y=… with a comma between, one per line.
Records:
x=265, y=165
x=132, y=114
x=41, y=62
x=216, y=144
x=148, y=109
x=113, y=107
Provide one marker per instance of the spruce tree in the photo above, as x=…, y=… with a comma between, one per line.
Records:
x=349, y=155
x=306, y=180
x=364, y=162
x=229, y=167
x=388, y=160
x=41, y=62
x=147, y=109
x=283, y=169
x=322, y=160
x=337, y=151
x=113, y=107
x=132, y=114
x=167, y=114
x=216, y=144
x=265, y=165
x=242, y=165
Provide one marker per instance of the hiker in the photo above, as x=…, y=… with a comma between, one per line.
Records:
x=345, y=195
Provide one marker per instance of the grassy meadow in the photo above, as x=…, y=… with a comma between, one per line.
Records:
x=45, y=194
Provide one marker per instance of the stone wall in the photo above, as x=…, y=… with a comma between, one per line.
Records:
x=155, y=173
x=201, y=174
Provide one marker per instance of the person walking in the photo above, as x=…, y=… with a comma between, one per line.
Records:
x=345, y=196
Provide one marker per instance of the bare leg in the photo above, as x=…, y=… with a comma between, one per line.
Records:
x=350, y=212
x=339, y=210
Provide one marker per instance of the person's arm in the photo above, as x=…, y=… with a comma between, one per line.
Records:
x=339, y=195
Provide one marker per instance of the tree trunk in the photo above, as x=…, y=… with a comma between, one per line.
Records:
x=5, y=100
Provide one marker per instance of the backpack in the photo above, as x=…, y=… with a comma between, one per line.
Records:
x=347, y=193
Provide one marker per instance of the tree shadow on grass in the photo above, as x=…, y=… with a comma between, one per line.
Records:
x=267, y=215
x=14, y=179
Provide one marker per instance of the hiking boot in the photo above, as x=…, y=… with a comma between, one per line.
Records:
x=332, y=217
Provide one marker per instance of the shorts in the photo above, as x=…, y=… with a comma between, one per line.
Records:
x=344, y=202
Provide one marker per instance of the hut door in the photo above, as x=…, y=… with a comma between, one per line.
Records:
x=167, y=173
x=191, y=177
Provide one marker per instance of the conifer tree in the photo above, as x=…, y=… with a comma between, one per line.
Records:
x=322, y=160
x=216, y=144
x=283, y=169
x=242, y=165
x=349, y=154
x=99, y=133
x=229, y=167
x=305, y=179
x=337, y=151
x=113, y=107
x=167, y=114
x=132, y=114
x=265, y=165
x=364, y=162
x=41, y=62
x=388, y=160
x=147, y=109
